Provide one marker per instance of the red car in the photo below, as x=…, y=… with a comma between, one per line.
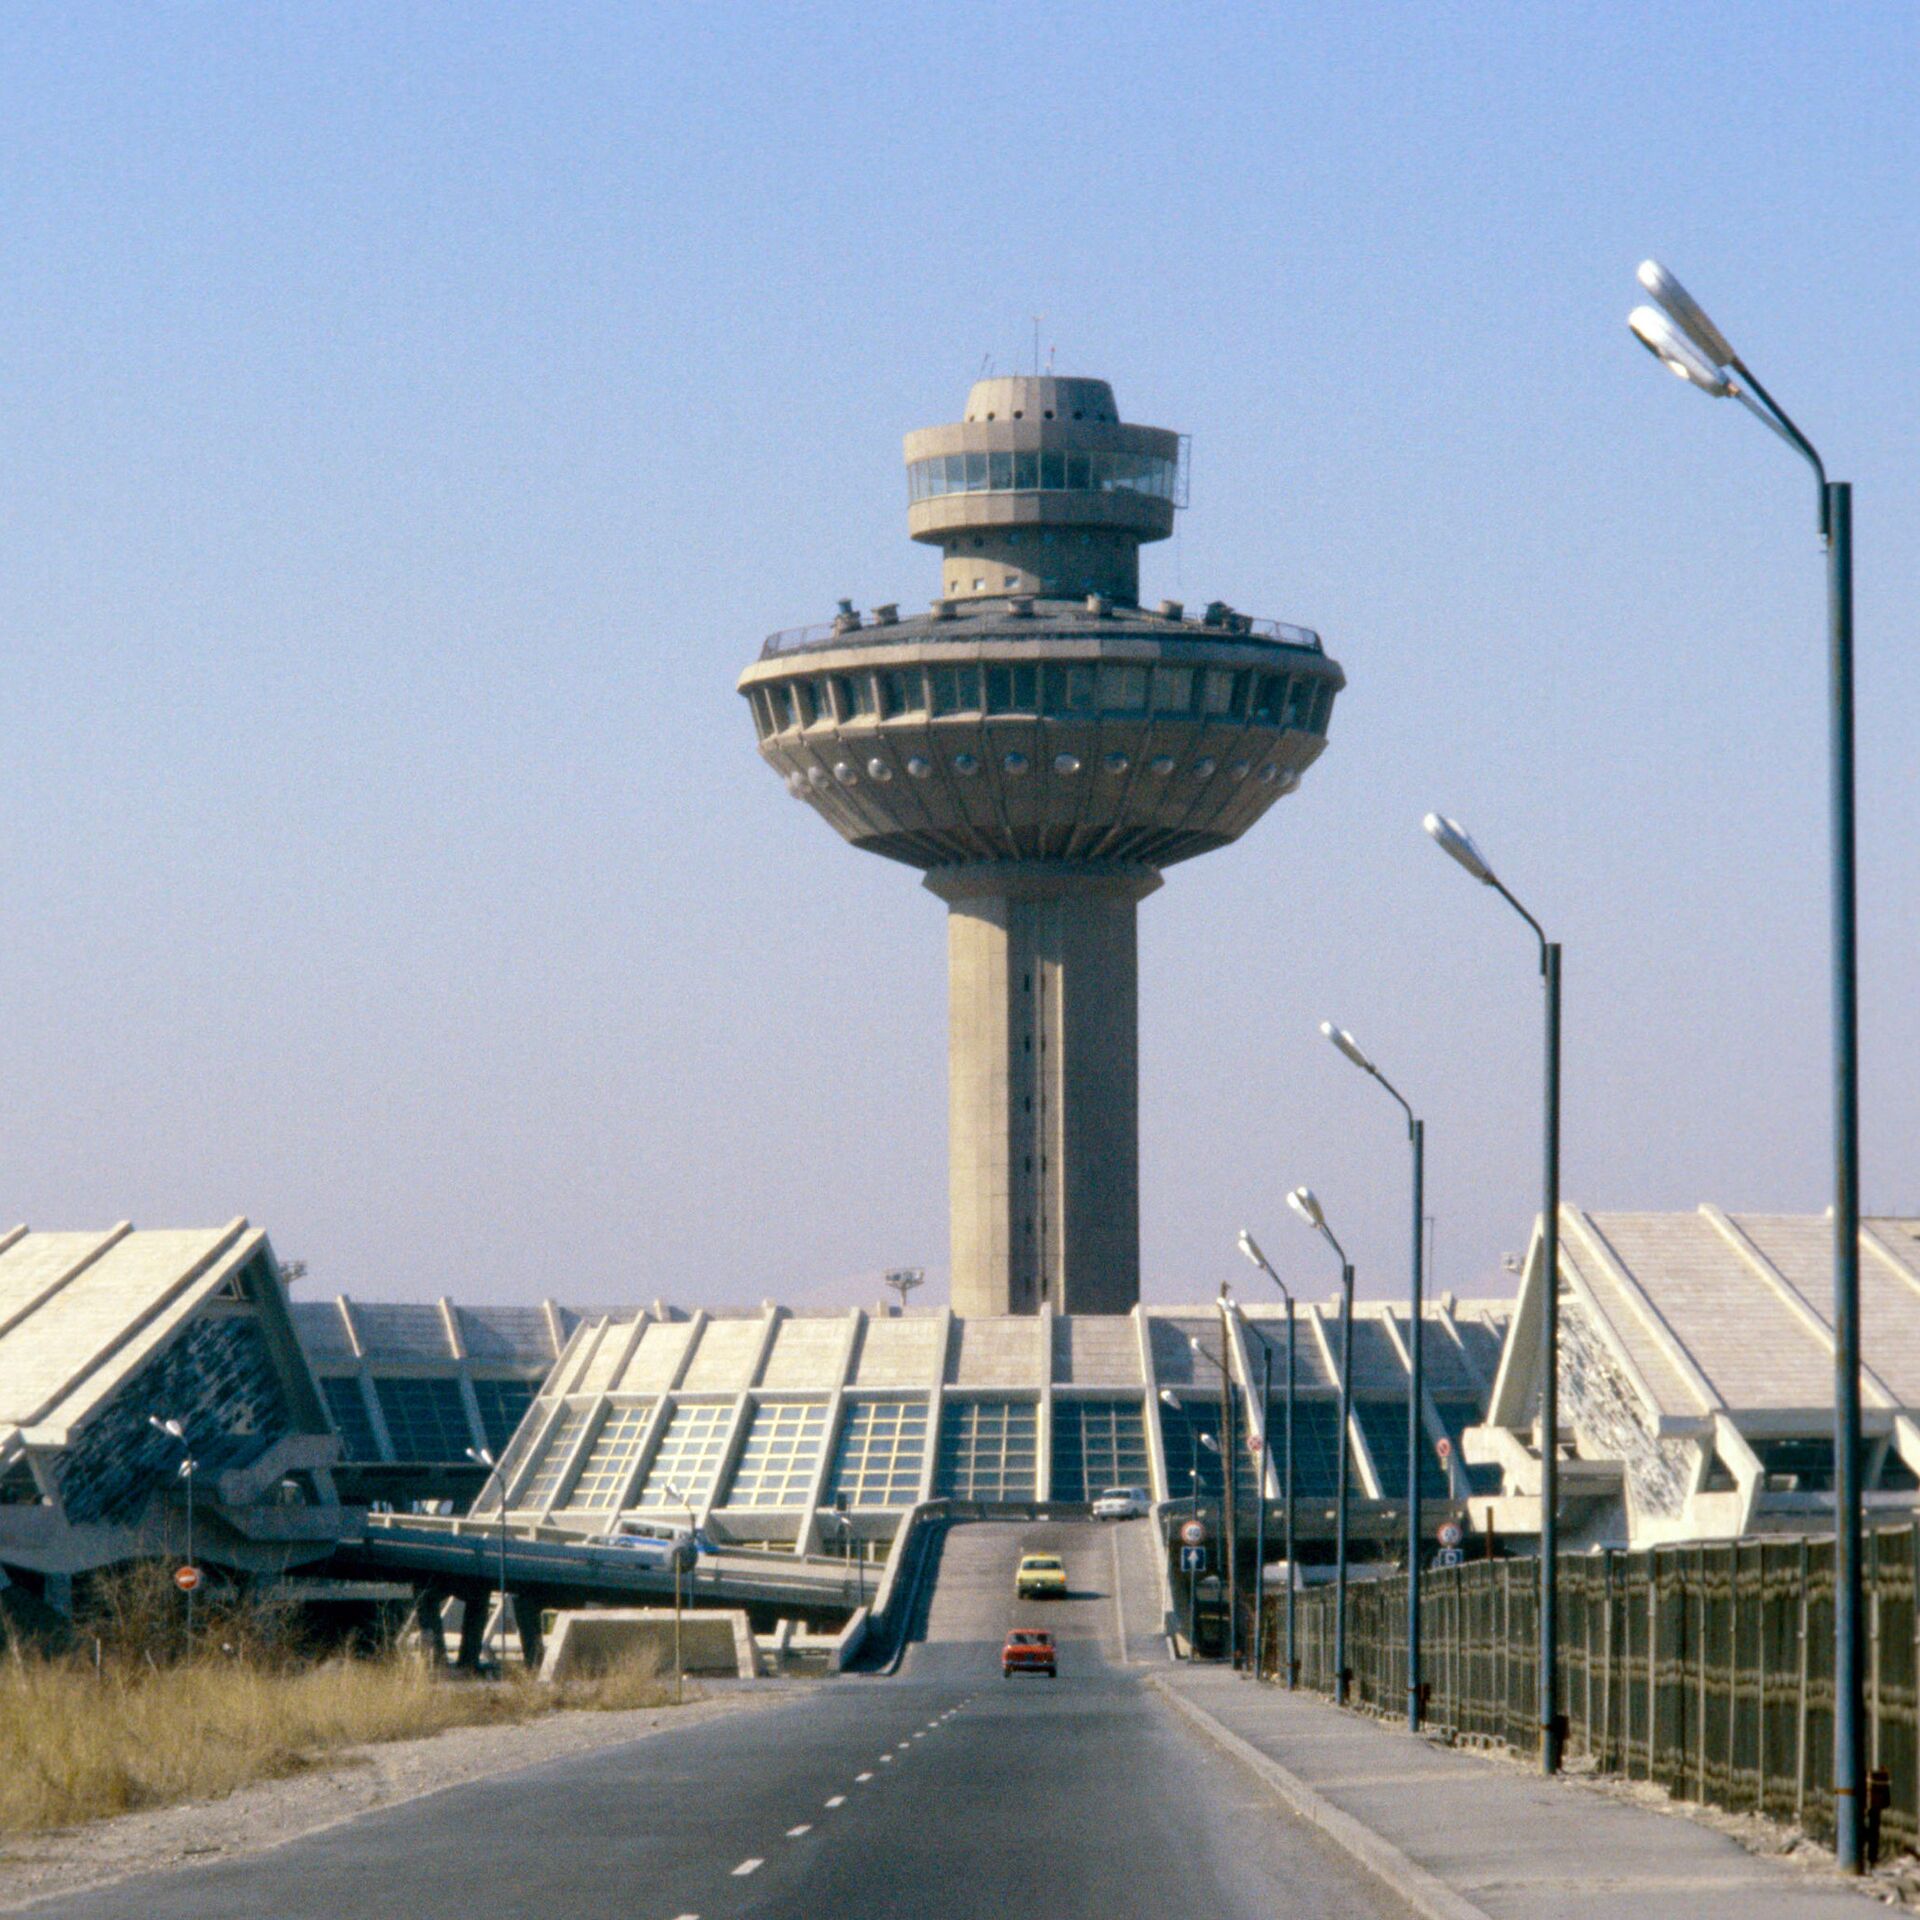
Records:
x=1028, y=1650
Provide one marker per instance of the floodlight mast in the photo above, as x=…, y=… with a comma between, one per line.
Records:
x=1689, y=323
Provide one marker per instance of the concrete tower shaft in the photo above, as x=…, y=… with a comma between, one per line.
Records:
x=1041, y=748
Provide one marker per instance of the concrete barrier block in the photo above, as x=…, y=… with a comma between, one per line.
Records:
x=715, y=1643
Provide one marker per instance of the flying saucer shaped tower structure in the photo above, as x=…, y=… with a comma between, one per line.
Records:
x=1041, y=746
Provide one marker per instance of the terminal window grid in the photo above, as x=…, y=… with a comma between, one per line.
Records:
x=1384, y=1422
x=1097, y=1444
x=503, y=1405
x=883, y=1447
x=426, y=1418
x=553, y=1459
x=690, y=1455
x=781, y=1454
x=1316, y=1446
x=510, y=1459
x=989, y=1450
x=610, y=1459
x=1180, y=1429
x=1456, y=1416
x=349, y=1409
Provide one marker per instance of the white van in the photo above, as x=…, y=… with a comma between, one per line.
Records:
x=652, y=1543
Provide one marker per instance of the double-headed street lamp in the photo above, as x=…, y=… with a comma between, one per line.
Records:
x=1416, y=1451
x=1453, y=839
x=1251, y=1248
x=1302, y=1201
x=1229, y=1519
x=177, y=1432
x=483, y=1457
x=1690, y=345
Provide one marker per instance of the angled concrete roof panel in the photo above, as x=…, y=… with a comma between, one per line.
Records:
x=54, y=1345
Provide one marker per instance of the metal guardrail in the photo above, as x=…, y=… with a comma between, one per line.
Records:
x=1231, y=626
x=1708, y=1669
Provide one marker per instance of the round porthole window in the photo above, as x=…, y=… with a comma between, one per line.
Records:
x=1015, y=764
x=1161, y=764
x=1117, y=762
x=1203, y=769
x=919, y=766
x=844, y=773
x=818, y=775
x=965, y=765
x=1269, y=773
x=877, y=769
x=1239, y=770
x=1068, y=763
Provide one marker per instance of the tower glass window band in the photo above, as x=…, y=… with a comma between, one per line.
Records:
x=882, y=1450
x=989, y=1450
x=1042, y=472
x=1180, y=1431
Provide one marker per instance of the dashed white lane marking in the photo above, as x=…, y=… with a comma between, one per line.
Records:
x=886, y=1759
x=862, y=1778
x=746, y=1867
x=921, y=1735
x=794, y=1833
x=838, y=1800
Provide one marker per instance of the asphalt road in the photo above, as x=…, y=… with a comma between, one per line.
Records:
x=945, y=1793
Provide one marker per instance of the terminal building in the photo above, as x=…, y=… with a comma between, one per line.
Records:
x=1040, y=746
x=1696, y=1379
x=805, y=1430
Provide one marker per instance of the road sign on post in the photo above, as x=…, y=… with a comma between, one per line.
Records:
x=1443, y=1447
x=1192, y=1533
x=1448, y=1556
x=186, y=1578
x=1193, y=1559
x=1450, y=1534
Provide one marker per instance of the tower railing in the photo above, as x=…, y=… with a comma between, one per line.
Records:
x=1238, y=626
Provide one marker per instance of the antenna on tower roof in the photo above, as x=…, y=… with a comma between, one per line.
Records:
x=986, y=366
x=1037, y=318
x=903, y=1280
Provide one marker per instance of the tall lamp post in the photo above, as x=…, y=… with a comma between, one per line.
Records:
x=1303, y=1202
x=1229, y=1518
x=176, y=1432
x=1454, y=840
x=1416, y=1452
x=1251, y=1248
x=483, y=1457
x=683, y=1551
x=1690, y=345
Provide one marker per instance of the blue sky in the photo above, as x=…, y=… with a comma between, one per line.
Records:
x=413, y=417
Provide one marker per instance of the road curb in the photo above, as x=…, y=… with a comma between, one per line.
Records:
x=1428, y=1895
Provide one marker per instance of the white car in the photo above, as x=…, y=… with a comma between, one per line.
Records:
x=1123, y=1503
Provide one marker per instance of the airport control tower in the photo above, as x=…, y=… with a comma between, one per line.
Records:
x=1041, y=746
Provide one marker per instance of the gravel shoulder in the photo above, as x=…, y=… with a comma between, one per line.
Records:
x=42, y=1866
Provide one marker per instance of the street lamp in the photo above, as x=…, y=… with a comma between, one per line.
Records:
x=681, y=1551
x=1454, y=840
x=1679, y=332
x=483, y=1457
x=1303, y=1202
x=1251, y=1248
x=1416, y=1452
x=1229, y=1516
x=176, y=1432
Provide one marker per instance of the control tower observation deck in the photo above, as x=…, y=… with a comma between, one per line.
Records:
x=1041, y=746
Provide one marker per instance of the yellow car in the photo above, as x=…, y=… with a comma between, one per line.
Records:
x=1042, y=1576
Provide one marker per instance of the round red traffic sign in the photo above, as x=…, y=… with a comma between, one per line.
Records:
x=1450, y=1535
x=1192, y=1533
x=186, y=1578
x=1443, y=1447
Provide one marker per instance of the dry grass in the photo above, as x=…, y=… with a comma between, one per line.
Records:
x=79, y=1743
